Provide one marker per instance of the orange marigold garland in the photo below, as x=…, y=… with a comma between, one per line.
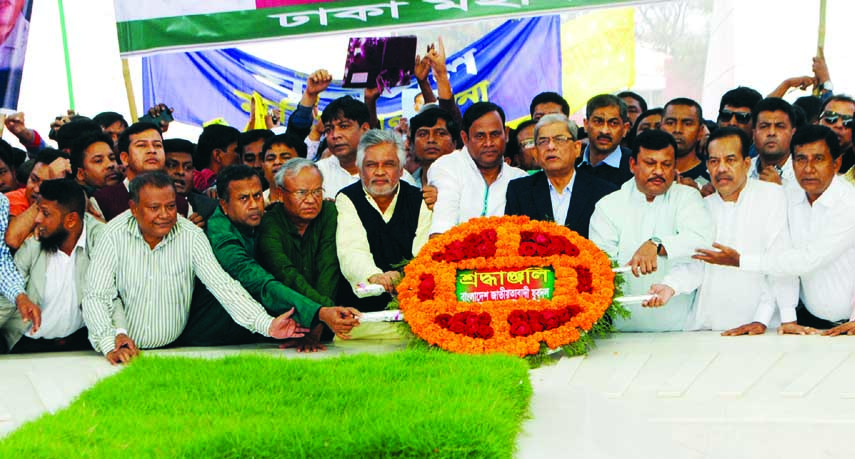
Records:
x=504, y=320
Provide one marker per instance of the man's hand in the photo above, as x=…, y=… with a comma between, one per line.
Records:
x=309, y=343
x=754, y=328
x=156, y=111
x=429, y=194
x=820, y=69
x=15, y=124
x=211, y=192
x=437, y=58
x=30, y=311
x=422, y=67
x=770, y=174
x=792, y=328
x=688, y=182
x=197, y=220
x=284, y=327
x=125, y=350
x=844, y=329
x=644, y=260
x=59, y=168
x=724, y=256
x=663, y=294
x=318, y=82
x=340, y=319
x=372, y=94
x=388, y=280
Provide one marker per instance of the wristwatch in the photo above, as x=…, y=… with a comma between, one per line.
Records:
x=827, y=86
x=658, y=243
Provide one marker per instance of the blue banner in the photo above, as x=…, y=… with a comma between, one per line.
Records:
x=508, y=67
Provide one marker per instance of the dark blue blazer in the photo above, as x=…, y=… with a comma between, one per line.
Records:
x=530, y=196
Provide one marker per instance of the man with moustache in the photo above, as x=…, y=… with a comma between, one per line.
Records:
x=606, y=122
x=148, y=258
x=179, y=166
x=751, y=216
x=527, y=150
x=233, y=231
x=253, y=147
x=11, y=282
x=773, y=130
x=473, y=182
x=382, y=221
x=218, y=147
x=140, y=150
x=93, y=163
x=557, y=193
x=684, y=120
x=652, y=225
x=821, y=220
x=635, y=105
x=54, y=268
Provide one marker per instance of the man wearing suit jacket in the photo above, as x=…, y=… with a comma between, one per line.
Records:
x=557, y=192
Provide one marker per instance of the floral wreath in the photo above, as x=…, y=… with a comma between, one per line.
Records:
x=523, y=321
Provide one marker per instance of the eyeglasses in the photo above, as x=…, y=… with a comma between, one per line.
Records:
x=302, y=195
x=528, y=143
x=832, y=117
x=558, y=140
x=741, y=117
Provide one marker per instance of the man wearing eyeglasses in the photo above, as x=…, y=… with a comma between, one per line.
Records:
x=382, y=221
x=837, y=113
x=234, y=233
x=735, y=108
x=557, y=193
x=773, y=131
x=606, y=121
x=527, y=154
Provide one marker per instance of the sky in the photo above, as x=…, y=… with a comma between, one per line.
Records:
x=756, y=43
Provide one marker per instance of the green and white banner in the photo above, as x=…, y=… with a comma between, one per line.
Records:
x=149, y=26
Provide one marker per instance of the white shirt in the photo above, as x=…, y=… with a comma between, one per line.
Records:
x=788, y=175
x=729, y=297
x=337, y=177
x=354, y=252
x=561, y=201
x=624, y=220
x=462, y=192
x=822, y=252
x=61, y=312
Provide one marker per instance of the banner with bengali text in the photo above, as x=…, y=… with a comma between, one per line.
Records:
x=517, y=59
x=149, y=26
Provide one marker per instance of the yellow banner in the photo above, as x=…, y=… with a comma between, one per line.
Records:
x=597, y=55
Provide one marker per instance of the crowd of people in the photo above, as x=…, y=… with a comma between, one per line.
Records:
x=119, y=240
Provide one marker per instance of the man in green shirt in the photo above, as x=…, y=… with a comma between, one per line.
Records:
x=233, y=232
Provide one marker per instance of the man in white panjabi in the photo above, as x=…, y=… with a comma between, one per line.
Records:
x=750, y=215
x=652, y=224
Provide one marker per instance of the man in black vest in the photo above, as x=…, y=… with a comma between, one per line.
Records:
x=382, y=221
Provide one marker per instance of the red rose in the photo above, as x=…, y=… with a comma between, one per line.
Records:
x=471, y=319
x=485, y=332
x=535, y=316
x=472, y=330
x=457, y=327
x=541, y=239
x=490, y=235
x=520, y=329
x=535, y=326
x=564, y=315
x=528, y=249
x=486, y=249
x=484, y=319
x=442, y=320
x=574, y=309
x=516, y=316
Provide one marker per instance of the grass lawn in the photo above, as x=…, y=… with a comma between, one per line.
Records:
x=405, y=404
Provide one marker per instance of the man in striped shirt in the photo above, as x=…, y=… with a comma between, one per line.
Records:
x=148, y=257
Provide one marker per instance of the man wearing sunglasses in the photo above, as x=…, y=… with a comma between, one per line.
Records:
x=836, y=113
x=557, y=193
x=735, y=108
